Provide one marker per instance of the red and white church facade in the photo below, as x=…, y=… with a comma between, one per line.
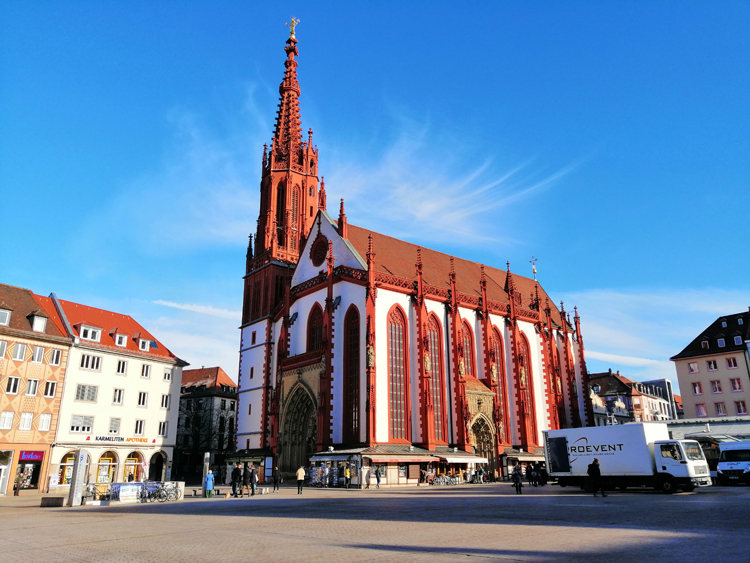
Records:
x=360, y=342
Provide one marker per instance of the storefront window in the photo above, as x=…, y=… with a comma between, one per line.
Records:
x=134, y=467
x=66, y=468
x=29, y=470
x=402, y=470
x=107, y=470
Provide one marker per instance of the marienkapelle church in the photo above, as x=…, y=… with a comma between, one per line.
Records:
x=357, y=345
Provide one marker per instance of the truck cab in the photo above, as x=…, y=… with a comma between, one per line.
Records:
x=682, y=462
x=734, y=463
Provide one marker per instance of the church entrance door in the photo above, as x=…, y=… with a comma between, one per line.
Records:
x=299, y=432
x=484, y=443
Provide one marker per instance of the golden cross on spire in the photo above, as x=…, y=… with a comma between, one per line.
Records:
x=533, y=266
x=291, y=27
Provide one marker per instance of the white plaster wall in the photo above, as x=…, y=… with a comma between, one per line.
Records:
x=440, y=311
x=107, y=380
x=540, y=385
x=351, y=294
x=385, y=300
x=344, y=254
x=303, y=306
x=249, y=426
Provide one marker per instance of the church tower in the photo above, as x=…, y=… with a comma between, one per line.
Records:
x=289, y=200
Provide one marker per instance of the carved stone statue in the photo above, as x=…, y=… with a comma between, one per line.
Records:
x=493, y=371
x=461, y=367
x=522, y=373
x=427, y=363
x=370, y=357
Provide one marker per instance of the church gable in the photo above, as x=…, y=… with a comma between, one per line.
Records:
x=313, y=256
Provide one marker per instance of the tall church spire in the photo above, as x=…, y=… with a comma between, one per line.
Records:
x=289, y=185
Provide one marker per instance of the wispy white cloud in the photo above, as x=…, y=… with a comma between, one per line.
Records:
x=637, y=331
x=424, y=189
x=202, y=309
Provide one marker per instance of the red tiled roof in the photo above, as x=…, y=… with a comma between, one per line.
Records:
x=110, y=322
x=398, y=258
x=474, y=384
x=22, y=302
x=210, y=377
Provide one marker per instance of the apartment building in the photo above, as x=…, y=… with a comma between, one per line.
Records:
x=33, y=355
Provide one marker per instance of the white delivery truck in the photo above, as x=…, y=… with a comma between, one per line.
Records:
x=630, y=455
x=734, y=463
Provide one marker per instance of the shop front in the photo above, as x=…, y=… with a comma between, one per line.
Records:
x=23, y=469
x=261, y=459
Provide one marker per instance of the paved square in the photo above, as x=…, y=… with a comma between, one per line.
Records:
x=469, y=522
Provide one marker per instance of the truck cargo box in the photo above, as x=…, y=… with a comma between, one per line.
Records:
x=625, y=449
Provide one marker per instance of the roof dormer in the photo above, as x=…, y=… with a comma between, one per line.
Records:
x=38, y=320
x=5, y=311
x=120, y=339
x=90, y=333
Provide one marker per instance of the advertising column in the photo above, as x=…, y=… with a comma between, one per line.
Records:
x=78, y=480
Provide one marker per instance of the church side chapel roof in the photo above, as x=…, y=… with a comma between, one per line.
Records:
x=397, y=257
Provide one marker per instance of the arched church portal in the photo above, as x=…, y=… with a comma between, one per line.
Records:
x=299, y=431
x=483, y=441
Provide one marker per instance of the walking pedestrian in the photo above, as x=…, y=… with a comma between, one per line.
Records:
x=208, y=486
x=516, y=478
x=300, y=479
x=595, y=475
x=347, y=476
x=377, y=477
x=368, y=476
x=245, y=481
x=276, y=476
x=236, y=479
x=543, y=476
x=253, y=479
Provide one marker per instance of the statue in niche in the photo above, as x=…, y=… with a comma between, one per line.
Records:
x=461, y=367
x=493, y=371
x=427, y=363
x=370, y=357
x=558, y=385
x=522, y=373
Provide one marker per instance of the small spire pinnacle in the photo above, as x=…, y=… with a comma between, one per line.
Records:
x=419, y=259
x=343, y=230
x=322, y=194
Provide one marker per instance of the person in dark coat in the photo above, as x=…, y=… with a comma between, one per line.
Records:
x=377, y=477
x=516, y=478
x=236, y=478
x=253, y=479
x=595, y=476
x=245, y=481
x=276, y=476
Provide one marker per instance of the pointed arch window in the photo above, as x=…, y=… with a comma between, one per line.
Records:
x=315, y=329
x=468, y=343
x=397, y=374
x=496, y=349
x=437, y=382
x=351, y=375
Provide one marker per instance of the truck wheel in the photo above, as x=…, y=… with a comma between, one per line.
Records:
x=667, y=485
x=688, y=488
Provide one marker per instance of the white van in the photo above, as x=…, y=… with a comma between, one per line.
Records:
x=734, y=463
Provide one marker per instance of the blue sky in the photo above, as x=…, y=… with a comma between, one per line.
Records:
x=607, y=139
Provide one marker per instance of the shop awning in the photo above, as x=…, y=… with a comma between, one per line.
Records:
x=392, y=459
x=463, y=459
x=523, y=456
x=331, y=457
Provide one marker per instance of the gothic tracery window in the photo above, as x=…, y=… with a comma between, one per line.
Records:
x=436, y=380
x=315, y=329
x=351, y=375
x=468, y=344
x=397, y=375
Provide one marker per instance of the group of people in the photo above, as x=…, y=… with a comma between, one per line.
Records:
x=244, y=480
x=536, y=475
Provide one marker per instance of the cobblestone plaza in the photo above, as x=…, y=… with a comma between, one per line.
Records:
x=472, y=522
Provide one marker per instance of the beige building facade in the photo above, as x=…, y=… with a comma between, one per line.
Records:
x=714, y=370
